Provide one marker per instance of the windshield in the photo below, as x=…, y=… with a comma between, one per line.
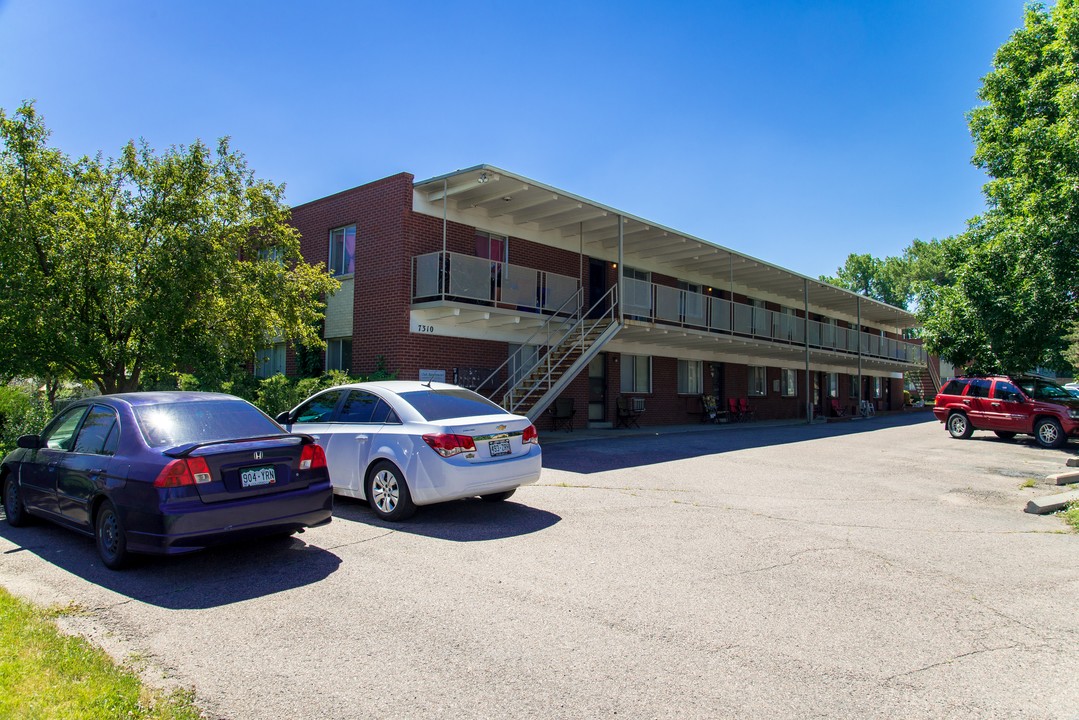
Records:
x=1044, y=390
x=171, y=424
x=443, y=404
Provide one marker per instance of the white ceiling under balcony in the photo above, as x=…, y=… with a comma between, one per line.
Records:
x=498, y=201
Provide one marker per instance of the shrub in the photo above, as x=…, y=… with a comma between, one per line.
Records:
x=21, y=412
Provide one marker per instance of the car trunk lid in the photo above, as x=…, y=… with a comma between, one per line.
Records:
x=247, y=468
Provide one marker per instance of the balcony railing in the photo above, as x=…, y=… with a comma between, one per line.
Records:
x=670, y=306
x=453, y=276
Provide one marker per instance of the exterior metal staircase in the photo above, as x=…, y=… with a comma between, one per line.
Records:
x=567, y=343
x=926, y=380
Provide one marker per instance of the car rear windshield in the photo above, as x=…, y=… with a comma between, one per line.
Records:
x=954, y=387
x=170, y=424
x=442, y=404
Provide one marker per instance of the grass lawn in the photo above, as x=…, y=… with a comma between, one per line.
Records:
x=46, y=674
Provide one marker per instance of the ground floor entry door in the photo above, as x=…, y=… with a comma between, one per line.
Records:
x=597, y=388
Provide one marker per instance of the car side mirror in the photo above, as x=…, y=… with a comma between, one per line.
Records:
x=284, y=418
x=30, y=442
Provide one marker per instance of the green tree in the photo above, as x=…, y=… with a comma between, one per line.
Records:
x=1016, y=292
x=158, y=263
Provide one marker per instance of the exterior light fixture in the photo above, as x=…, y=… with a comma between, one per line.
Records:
x=483, y=178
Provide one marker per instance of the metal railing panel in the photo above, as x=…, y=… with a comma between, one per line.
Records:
x=667, y=304
x=637, y=297
x=743, y=318
x=693, y=306
x=558, y=290
x=520, y=286
x=719, y=315
x=428, y=275
x=471, y=277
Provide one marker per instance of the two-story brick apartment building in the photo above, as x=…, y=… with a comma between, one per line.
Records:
x=530, y=293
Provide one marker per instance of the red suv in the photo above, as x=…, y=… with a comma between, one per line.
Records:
x=1008, y=407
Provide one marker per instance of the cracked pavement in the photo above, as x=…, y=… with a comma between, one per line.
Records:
x=872, y=569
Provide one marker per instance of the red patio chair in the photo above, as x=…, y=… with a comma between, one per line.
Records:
x=837, y=410
x=732, y=410
x=744, y=410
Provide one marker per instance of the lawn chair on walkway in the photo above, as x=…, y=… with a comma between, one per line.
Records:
x=837, y=409
x=732, y=410
x=628, y=411
x=744, y=411
x=562, y=413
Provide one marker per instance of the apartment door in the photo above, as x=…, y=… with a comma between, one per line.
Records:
x=597, y=286
x=597, y=388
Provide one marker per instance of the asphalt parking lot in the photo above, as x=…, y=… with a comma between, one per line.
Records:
x=873, y=568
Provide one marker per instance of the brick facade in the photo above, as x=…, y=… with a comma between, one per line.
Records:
x=389, y=234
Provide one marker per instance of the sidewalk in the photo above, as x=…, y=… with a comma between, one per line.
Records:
x=551, y=437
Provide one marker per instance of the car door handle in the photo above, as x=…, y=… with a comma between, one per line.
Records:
x=996, y=404
x=966, y=402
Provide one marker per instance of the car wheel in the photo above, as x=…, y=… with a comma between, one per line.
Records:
x=959, y=426
x=499, y=496
x=111, y=537
x=13, y=505
x=1048, y=433
x=387, y=492
x=1004, y=435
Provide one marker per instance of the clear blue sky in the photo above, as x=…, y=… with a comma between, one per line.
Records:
x=797, y=132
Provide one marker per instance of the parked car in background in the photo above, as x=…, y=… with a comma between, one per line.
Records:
x=1008, y=407
x=167, y=473
x=1073, y=388
x=399, y=444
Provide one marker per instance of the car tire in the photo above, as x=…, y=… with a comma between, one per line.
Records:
x=1005, y=435
x=499, y=496
x=1049, y=434
x=959, y=426
x=111, y=538
x=13, y=504
x=387, y=492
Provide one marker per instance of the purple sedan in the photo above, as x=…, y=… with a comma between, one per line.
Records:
x=166, y=473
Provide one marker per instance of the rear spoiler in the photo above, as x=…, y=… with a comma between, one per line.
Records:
x=186, y=449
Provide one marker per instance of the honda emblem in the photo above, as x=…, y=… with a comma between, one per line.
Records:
x=258, y=454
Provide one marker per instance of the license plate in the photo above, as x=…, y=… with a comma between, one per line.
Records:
x=253, y=477
x=499, y=447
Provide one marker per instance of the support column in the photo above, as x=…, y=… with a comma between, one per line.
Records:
x=861, y=389
x=805, y=337
x=621, y=271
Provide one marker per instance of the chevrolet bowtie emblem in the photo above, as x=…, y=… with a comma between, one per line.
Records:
x=500, y=428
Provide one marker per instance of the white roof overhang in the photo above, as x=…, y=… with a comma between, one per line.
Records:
x=498, y=201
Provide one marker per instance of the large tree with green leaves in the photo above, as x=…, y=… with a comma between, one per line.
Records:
x=1016, y=294
x=144, y=263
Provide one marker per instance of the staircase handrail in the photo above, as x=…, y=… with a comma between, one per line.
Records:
x=551, y=368
x=546, y=326
x=934, y=373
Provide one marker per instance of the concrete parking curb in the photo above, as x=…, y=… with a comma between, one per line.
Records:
x=1051, y=503
x=1064, y=478
x=1073, y=462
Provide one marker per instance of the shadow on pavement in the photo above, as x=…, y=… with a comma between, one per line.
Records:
x=639, y=448
x=209, y=578
x=470, y=520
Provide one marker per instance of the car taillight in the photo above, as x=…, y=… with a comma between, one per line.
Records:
x=312, y=457
x=448, y=445
x=184, y=471
x=530, y=435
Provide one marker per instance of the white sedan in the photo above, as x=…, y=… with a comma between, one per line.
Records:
x=399, y=444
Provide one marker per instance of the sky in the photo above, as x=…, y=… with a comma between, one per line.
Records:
x=795, y=132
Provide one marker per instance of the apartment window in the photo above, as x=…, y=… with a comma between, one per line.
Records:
x=339, y=355
x=491, y=246
x=636, y=374
x=270, y=361
x=854, y=394
x=689, y=377
x=272, y=254
x=833, y=385
x=789, y=382
x=758, y=381
x=343, y=251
